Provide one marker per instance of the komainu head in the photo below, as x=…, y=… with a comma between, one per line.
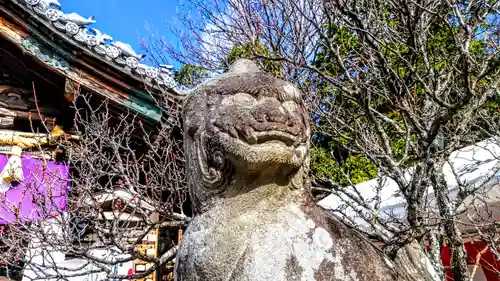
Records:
x=244, y=126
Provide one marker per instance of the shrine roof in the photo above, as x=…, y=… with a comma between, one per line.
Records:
x=65, y=42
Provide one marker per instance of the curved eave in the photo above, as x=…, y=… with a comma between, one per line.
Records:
x=20, y=26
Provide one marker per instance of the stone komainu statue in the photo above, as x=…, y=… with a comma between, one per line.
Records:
x=247, y=147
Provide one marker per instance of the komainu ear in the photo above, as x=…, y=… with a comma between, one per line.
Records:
x=213, y=165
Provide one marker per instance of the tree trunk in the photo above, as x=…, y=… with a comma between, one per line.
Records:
x=451, y=230
x=435, y=253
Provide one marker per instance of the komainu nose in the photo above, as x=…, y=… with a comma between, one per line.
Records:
x=270, y=110
x=292, y=109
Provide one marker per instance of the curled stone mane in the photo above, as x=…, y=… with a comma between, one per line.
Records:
x=246, y=137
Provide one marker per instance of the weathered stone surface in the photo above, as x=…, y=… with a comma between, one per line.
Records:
x=411, y=261
x=247, y=147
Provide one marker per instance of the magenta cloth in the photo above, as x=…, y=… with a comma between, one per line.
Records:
x=41, y=195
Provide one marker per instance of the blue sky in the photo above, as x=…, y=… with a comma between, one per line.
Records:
x=125, y=20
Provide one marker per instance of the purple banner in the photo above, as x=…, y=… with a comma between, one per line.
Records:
x=41, y=195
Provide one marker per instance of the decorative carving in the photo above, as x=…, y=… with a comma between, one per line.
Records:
x=141, y=69
x=152, y=72
x=72, y=28
x=52, y=14
x=75, y=27
x=81, y=36
x=127, y=50
x=143, y=109
x=165, y=76
x=17, y=101
x=77, y=19
x=71, y=90
x=44, y=3
x=14, y=98
x=132, y=63
x=93, y=37
x=112, y=52
x=246, y=137
x=51, y=9
x=44, y=54
x=17, y=36
x=32, y=2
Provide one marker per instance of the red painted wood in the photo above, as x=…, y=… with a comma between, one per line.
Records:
x=475, y=250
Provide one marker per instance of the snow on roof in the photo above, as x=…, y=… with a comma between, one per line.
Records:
x=75, y=27
x=478, y=164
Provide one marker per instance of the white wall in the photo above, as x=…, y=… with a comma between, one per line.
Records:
x=47, y=261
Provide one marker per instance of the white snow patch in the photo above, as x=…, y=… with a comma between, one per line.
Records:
x=473, y=164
